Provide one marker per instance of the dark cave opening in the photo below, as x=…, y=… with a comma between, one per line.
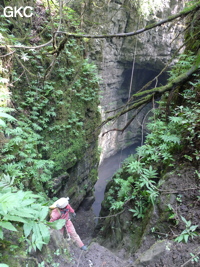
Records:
x=109, y=166
x=141, y=76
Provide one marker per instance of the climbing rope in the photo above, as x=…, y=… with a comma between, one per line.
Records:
x=130, y=86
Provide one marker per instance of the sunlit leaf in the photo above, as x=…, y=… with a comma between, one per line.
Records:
x=7, y=225
x=57, y=224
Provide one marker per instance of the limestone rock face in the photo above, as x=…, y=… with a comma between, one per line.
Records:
x=82, y=178
x=159, y=249
x=152, y=239
x=126, y=64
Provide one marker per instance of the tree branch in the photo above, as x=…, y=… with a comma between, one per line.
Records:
x=176, y=191
x=24, y=68
x=179, y=80
x=183, y=13
x=130, y=101
x=127, y=124
x=148, y=95
x=190, y=260
x=27, y=47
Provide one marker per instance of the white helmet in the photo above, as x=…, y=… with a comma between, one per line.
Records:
x=60, y=203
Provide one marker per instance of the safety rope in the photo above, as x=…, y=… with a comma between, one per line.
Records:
x=130, y=86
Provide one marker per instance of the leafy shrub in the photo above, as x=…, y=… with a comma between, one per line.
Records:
x=24, y=207
x=138, y=180
x=5, y=116
x=188, y=232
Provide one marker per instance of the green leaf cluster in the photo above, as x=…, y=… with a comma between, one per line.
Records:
x=137, y=186
x=169, y=135
x=188, y=232
x=51, y=116
x=184, y=63
x=21, y=158
x=5, y=116
x=51, y=103
x=25, y=208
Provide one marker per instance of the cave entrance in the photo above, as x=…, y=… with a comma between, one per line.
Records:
x=110, y=165
x=141, y=76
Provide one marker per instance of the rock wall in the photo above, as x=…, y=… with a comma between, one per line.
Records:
x=58, y=112
x=143, y=55
x=151, y=240
x=174, y=216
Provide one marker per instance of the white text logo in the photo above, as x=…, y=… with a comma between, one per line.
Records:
x=21, y=11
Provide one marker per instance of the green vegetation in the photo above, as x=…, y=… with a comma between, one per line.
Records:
x=46, y=115
x=54, y=118
x=19, y=207
x=171, y=131
x=5, y=115
x=54, y=99
x=188, y=232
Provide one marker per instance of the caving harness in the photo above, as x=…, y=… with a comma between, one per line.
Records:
x=64, y=211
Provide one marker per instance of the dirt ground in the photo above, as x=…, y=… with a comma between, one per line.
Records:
x=155, y=250
x=96, y=255
x=84, y=222
x=185, y=203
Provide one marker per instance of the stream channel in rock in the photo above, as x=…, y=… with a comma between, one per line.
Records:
x=86, y=219
x=105, y=172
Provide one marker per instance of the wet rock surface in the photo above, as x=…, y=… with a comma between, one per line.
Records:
x=116, y=61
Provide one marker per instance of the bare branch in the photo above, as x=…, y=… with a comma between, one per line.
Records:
x=10, y=53
x=177, y=191
x=183, y=13
x=27, y=47
x=148, y=95
x=130, y=101
x=127, y=124
x=180, y=79
x=24, y=68
x=112, y=215
x=190, y=260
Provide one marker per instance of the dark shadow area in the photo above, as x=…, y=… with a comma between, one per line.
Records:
x=142, y=77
